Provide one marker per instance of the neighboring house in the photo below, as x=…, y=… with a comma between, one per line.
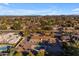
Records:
x=10, y=38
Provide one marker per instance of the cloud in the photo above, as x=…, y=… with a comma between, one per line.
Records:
x=76, y=9
x=6, y=3
x=10, y=11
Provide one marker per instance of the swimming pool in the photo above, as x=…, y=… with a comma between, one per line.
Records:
x=4, y=47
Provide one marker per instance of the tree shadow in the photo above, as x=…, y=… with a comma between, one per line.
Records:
x=70, y=50
x=58, y=49
x=51, y=49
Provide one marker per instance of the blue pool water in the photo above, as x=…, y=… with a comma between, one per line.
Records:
x=4, y=47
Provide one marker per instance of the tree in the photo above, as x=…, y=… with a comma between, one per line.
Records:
x=18, y=54
x=41, y=52
x=16, y=25
x=30, y=54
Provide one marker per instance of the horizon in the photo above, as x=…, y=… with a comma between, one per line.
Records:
x=37, y=15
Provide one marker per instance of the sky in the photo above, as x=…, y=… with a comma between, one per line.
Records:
x=39, y=8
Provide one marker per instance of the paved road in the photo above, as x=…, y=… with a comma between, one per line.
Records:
x=17, y=44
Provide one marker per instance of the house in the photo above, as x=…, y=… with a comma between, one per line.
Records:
x=10, y=38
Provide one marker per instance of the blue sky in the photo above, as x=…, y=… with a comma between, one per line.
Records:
x=39, y=8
